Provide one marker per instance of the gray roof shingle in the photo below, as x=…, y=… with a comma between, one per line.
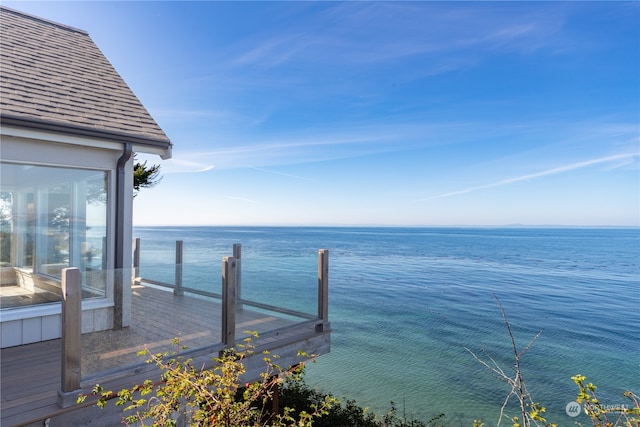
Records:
x=54, y=77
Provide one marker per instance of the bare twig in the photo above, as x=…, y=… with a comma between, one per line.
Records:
x=517, y=384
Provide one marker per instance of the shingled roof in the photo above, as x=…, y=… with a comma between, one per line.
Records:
x=54, y=77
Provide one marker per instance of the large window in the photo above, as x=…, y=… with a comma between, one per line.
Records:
x=51, y=218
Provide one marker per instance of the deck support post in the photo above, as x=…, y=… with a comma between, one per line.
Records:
x=71, y=336
x=177, y=290
x=323, y=290
x=237, y=254
x=229, y=301
x=275, y=399
x=136, y=258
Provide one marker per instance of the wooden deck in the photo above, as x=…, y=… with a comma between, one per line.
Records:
x=30, y=374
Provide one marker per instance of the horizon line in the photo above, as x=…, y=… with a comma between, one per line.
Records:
x=390, y=226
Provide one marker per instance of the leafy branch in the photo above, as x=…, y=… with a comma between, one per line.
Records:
x=606, y=416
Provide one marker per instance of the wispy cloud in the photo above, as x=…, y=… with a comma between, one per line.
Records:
x=257, y=152
x=367, y=33
x=263, y=150
x=283, y=174
x=624, y=157
x=191, y=114
x=176, y=165
x=272, y=52
x=241, y=199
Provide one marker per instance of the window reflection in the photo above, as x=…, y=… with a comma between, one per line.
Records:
x=50, y=219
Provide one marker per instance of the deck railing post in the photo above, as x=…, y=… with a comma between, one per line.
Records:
x=71, y=336
x=237, y=254
x=178, y=278
x=323, y=289
x=228, y=301
x=136, y=258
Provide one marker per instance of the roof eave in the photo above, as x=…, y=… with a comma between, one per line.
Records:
x=156, y=144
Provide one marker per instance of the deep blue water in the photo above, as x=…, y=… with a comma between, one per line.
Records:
x=407, y=305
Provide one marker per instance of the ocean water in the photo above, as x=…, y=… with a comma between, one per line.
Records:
x=408, y=306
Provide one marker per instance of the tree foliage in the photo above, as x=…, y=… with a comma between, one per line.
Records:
x=145, y=176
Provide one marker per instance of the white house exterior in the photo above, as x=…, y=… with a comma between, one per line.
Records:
x=69, y=129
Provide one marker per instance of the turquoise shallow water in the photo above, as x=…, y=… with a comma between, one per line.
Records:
x=407, y=305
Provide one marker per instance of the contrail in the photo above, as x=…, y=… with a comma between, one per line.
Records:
x=554, y=171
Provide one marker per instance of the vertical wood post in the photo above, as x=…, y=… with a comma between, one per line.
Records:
x=323, y=289
x=71, y=334
x=275, y=398
x=177, y=290
x=136, y=257
x=237, y=254
x=228, y=301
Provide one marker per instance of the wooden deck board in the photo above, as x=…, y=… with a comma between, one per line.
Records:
x=30, y=374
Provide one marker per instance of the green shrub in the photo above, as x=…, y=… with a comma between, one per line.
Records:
x=606, y=415
x=186, y=395
x=298, y=396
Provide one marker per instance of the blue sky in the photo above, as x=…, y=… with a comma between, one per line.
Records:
x=381, y=113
